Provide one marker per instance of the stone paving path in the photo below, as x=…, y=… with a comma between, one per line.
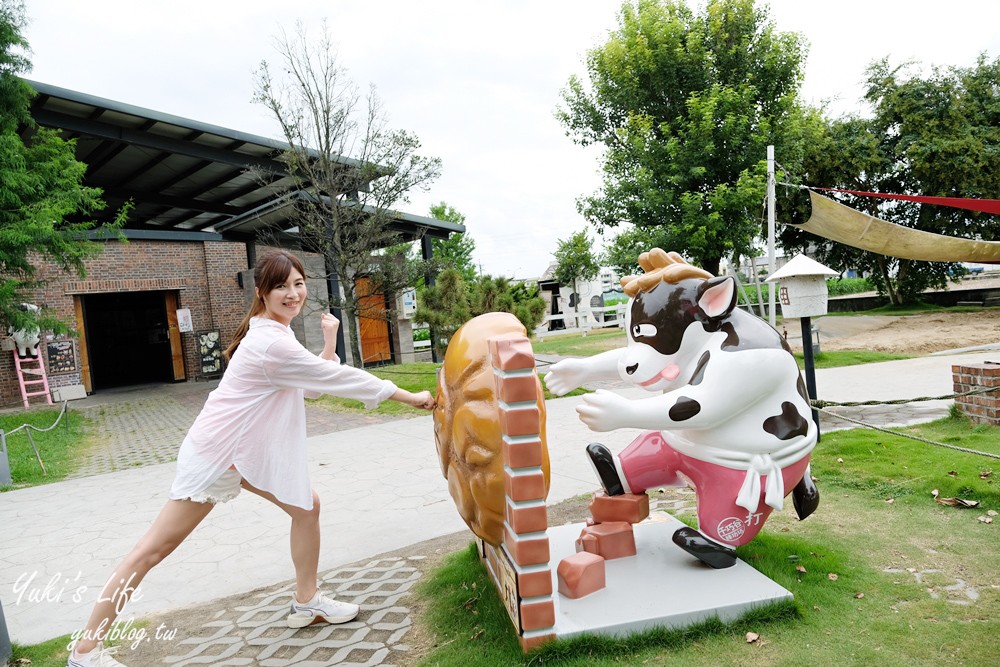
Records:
x=251, y=630
x=146, y=426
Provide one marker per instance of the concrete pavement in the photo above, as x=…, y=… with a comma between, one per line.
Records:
x=381, y=488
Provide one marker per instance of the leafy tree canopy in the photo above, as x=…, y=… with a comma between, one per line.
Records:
x=456, y=250
x=685, y=105
x=575, y=259
x=936, y=135
x=451, y=302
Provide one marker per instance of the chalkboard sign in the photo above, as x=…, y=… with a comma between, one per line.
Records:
x=62, y=356
x=209, y=352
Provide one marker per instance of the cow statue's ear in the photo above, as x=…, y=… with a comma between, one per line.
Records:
x=717, y=297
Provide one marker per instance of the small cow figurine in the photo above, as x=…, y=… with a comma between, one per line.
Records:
x=26, y=340
x=732, y=415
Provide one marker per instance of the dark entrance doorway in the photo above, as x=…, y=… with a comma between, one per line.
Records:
x=127, y=339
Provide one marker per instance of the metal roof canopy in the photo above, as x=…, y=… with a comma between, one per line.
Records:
x=184, y=176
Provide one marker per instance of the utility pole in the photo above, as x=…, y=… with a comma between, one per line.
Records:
x=770, y=234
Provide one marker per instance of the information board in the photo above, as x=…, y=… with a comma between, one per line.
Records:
x=61, y=355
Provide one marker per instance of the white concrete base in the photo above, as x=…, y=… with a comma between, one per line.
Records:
x=660, y=587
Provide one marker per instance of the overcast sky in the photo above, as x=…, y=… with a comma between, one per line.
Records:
x=478, y=82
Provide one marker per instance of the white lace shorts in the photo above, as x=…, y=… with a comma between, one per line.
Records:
x=222, y=490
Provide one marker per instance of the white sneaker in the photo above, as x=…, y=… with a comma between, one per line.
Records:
x=98, y=657
x=321, y=609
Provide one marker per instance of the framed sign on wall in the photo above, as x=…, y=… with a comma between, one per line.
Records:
x=61, y=355
x=209, y=353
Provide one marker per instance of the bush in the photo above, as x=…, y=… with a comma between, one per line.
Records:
x=845, y=286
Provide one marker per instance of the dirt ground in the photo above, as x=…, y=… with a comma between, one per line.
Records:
x=910, y=334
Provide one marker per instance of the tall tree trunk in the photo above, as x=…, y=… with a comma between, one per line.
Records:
x=350, y=311
x=887, y=281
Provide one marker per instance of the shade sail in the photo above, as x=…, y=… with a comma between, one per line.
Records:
x=843, y=224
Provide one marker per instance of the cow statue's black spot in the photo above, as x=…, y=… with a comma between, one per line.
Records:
x=685, y=408
x=699, y=370
x=789, y=424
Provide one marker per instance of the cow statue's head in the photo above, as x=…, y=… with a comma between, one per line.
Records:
x=673, y=308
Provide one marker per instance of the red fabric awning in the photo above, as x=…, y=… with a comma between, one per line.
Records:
x=983, y=205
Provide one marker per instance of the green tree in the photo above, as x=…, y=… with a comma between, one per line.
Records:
x=444, y=306
x=489, y=294
x=685, y=106
x=575, y=261
x=451, y=302
x=624, y=249
x=42, y=197
x=456, y=250
x=937, y=135
x=350, y=167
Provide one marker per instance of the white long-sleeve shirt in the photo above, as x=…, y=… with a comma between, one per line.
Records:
x=255, y=420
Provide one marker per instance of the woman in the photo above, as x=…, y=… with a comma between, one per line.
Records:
x=251, y=435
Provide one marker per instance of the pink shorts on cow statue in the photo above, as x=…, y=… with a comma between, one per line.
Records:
x=731, y=416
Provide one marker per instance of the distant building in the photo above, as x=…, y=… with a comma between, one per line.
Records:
x=589, y=307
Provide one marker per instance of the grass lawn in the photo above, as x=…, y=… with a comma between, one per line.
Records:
x=59, y=447
x=881, y=574
x=578, y=345
x=837, y=358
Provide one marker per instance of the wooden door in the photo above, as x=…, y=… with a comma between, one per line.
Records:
x=81, y=327
x=174, y=334
x=373, y=327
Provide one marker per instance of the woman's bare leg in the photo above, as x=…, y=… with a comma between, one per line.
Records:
x=304, y=539
x=174, y=523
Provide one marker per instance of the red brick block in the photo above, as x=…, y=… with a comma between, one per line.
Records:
x=531, y=643
x=530, y=486
x=581, y=574
x=609, y=540
x=511, y=354
x=534, y=584
x=538, y=615
x=522, y=520
x=534, y=551
x=524, y=421
x=518, y=389
x=522, y=454
x=630, y=507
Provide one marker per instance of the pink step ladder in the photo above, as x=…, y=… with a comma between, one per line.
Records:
x=37, y=377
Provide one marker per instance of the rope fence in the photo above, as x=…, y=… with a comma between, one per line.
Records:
x=28, y=428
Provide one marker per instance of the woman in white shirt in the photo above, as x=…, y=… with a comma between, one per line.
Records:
x=251, y=434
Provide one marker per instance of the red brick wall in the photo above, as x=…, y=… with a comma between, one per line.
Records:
x=983, y=407
x=202, y=273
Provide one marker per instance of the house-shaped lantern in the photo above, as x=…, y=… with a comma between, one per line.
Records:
x=803, y=287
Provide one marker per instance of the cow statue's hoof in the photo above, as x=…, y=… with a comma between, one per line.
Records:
x=604, y=465
x=711, y=553
x=805, y=496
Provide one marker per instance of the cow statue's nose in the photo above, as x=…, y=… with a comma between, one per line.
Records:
x=631, y=369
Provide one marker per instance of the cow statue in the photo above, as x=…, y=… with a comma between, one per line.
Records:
x=731, y=415
x=26, y=340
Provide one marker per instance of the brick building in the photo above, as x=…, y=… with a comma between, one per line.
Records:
x=160, y=306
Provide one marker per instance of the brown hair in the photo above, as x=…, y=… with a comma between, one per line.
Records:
x=659, y=265
x=272, y=269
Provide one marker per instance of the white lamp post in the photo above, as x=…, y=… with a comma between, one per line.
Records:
x=803, y=294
